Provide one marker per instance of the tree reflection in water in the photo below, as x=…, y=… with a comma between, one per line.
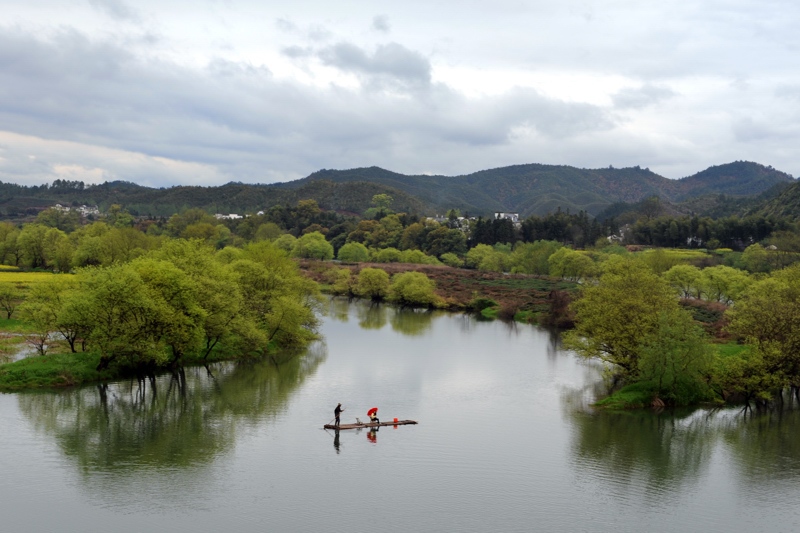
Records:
x=373, y=315
x=664, y=450
x=185, y=418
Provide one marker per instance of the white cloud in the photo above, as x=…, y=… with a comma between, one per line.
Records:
x=252, y=92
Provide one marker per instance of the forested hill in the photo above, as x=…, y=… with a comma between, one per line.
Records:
x=353, y=197
x=539, y=189
x=787, y=203
x=525, y=189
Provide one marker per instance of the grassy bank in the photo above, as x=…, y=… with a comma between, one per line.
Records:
x=641, y=394
x=59, y=370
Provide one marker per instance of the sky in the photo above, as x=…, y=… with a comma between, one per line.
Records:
x=206, y=92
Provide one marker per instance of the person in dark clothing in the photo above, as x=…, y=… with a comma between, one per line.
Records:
x=337, y=412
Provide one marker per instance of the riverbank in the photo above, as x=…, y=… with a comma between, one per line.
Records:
x=67, y=369
x=525, y=298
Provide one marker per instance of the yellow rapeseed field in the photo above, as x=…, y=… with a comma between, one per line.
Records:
x=26, y=278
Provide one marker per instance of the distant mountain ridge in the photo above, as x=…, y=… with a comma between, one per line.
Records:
x=525, y=189
x=539, y=189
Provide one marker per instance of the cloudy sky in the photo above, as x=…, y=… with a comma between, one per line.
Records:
x=205, y=92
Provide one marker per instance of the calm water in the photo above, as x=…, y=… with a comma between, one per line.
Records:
x=506, y=442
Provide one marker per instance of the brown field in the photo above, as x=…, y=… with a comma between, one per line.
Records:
x=459, y=286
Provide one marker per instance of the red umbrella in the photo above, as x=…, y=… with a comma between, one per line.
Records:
x=372, y=411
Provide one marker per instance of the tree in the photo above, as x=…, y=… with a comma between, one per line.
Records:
x=388, y=255
x=613, y=316
x=755, y=258
x=353, y=252
x=413, y=289
x=532, y=258
x=10, y=298
x=723, y=283
x=372, y=283
x=571, y=265
x=66, y=221
x=32, y=244
x=313, y=246
x=381, y=203
x=767, y=316
x=676, y=358
x=443, y=240
x=452, y=260
x=118, y=217
x=686, y=279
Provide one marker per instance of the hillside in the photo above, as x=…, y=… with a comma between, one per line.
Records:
x=16, y=201
x=539, y=189
x=786, y=204
x=526, y=189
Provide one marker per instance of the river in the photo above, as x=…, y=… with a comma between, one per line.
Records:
x=506, y=441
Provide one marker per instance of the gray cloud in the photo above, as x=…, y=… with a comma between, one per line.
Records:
x=297, y=52
x=116, y=9
x=641, y=97
x=381, y=23
x=238, y=122
x=159, y=111
x=391, y=60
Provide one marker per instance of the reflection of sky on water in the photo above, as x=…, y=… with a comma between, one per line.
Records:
x=505, y=440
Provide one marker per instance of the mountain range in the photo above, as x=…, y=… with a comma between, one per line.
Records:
x=531, y=189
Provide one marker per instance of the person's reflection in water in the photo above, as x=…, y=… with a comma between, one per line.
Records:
x=372, y=436
x=336, y=441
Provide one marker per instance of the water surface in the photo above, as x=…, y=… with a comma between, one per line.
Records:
x=506, y=441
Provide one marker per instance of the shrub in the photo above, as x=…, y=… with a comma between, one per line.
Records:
x=353, y=252
x=413, y=288
x=313, y=246
x=452, y=260
x=372, y=283
x=387, y=255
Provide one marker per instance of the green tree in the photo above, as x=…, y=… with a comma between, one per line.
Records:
x=372, y=283
x=66, y=221
x=353, y=252
x=723, y=283
x=452, y=260
x=31, y=242
x=676, y=358
x=767, y=316
x=532, y=258
x=117, y=217
x=10, y=298
x=388, y=255
x=686, y=279
x=413, y=289
x=313, y=246
x=755, y=258
x=571, y=265
x=381, y=203
x=615, y=314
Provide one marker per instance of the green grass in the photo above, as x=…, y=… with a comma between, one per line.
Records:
x=527, y=317
x=14, y=325
x=536, y=284
x=489, y=313
x=730, y=349
x=49, y=371
x=633, y=396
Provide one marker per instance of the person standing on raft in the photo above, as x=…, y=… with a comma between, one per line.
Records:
x=336, y=413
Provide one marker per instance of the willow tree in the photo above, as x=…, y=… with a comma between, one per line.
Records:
x=615, y=315
x=767, y=316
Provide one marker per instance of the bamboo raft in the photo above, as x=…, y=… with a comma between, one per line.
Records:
x=370, y=424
